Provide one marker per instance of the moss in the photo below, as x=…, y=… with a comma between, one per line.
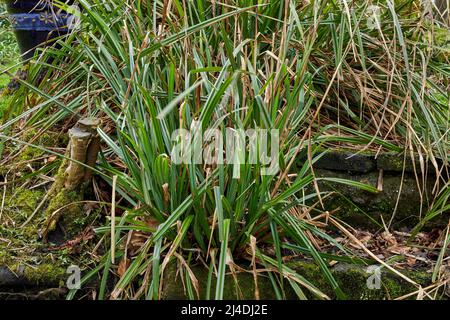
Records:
x=28, y=197
x=45, y=274
x=31, y=153
x=21, y=245
x=62, y=200
x=22, y=249
x=21, y=203
x=394, y=163
x=20, y=241
x=45, y=138
x=5, y=257
x=26, y=159
x=65, y=208
x=60, y=177
x=4, y=103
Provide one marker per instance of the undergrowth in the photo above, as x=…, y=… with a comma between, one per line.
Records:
x=317, y=72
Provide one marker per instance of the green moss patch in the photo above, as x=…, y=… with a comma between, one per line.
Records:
x=29, y=200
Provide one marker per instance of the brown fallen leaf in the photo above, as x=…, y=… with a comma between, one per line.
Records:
x=123, y=266
x=50, y=159
x=411, y=261
x=152, y=223
x=137, y=240
x=90, y=206
x=166, y=193
x=389, y=239
x=364, y=236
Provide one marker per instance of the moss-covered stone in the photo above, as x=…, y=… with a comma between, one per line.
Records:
x=346, y=161
x=352, y=279
x=46, y=274
x=363, y=209
x=42, y=275
x=241, y=288
x=394, y=162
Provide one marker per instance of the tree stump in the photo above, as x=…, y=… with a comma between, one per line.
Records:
x=67, y=193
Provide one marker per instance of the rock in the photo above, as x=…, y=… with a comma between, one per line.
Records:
x=9, y=278
x=362, y=209
x=45, y=275
x=245, y=288
x=390, y=162
x=346, y=161
x=353, y=280
x=350, y=161
x=44, y=282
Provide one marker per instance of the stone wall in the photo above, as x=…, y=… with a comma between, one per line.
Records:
x=403, y=197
